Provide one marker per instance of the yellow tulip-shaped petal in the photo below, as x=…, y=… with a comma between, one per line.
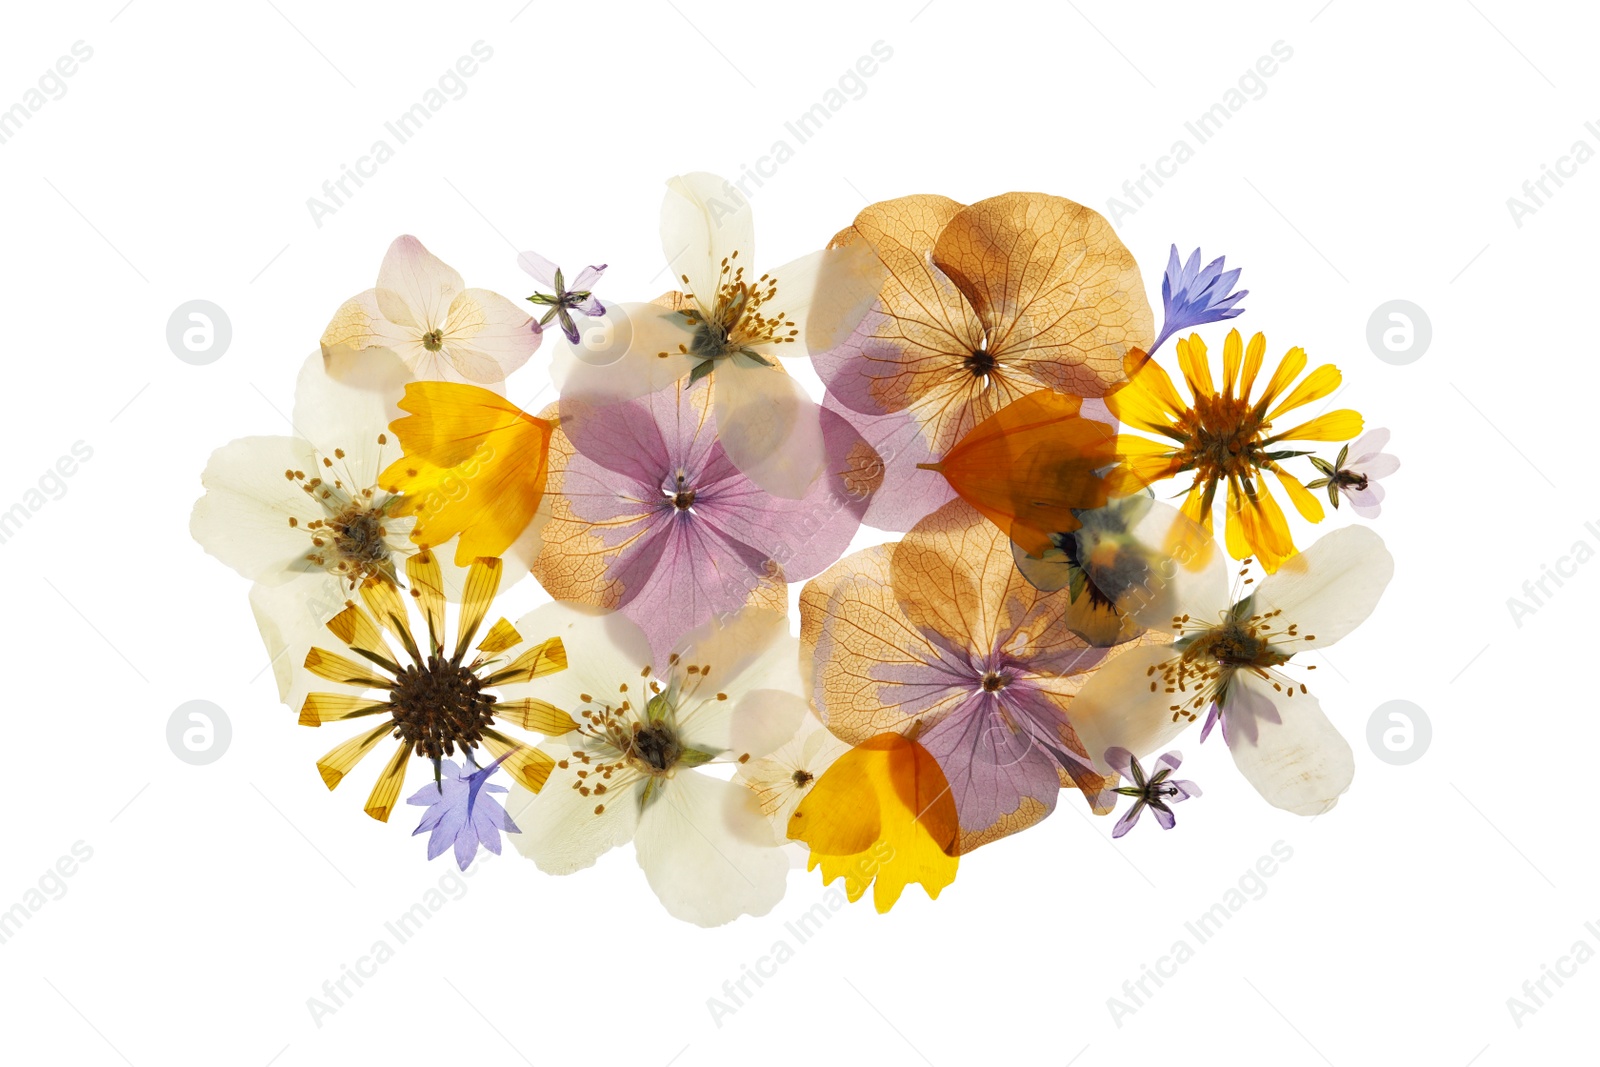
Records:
x=882, y=815
x=475, y=466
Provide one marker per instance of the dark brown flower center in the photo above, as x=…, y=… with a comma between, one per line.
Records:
x=802, y=778
x=994, y=681
x=440, y=707
x=656, y=746
x=358, y=535
x=980, y=364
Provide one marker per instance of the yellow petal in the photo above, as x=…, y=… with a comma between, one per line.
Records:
x=1253, y=354
x=427, y=586
x=387, y=790
x=537, y=716
x=474, y=467
x=1196, y=368
x=383, y=600
x=336, y=707
x=501, y=636
x=882, y=815
x=337, y=668
x=355, y=628
x=538, y=661
x=528, y=765
x=1305, y=501
x=1232, y=354
x=340, y=759
x=1289, y=368
x=1318, y=384
x=483, y=582
x=1341, y=425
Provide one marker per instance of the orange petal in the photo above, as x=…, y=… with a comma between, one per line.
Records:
x=1028, y=465
x=1059, y=295
x=882, y=815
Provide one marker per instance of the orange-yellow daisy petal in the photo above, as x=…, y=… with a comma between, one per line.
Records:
x=1195, y=366
x=1232, y=356
x=1341, y=425
x=1316, y=385
x=1289, y=368
x=1305, y=501
x=1253, y=354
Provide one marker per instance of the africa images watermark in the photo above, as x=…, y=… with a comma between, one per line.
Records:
x=1537, y=591
x=451, y=85
x=51, y=85
x=1252, y=85
x=1536, y=992
x=51, y=485
x=1252, y=885
x=51, y=885
x=1538, y=191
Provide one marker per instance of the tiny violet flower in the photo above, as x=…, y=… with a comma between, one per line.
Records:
x=563, y=301
x=1194, y=297
x=461, y=812
x=1356, y=477
x=1156, y=792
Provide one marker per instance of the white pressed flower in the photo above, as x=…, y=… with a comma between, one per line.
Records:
x=1229, y=658
x=302, y=515
x=639, y=766
x=423, y=311
x=731, y=323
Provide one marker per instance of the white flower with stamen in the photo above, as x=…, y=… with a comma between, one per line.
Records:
x=302, y=515
x=423, y=311
x=1236, y=655
x=731, y=324
x=782, y=780
x=642, y=763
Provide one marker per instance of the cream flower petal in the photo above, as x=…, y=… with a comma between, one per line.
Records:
x=344, y=402
x=244, y=518
x=808, y=754
x=415, y=287
x=1328, y=589
x=359, y=324
x=1125, y=705
x=633, y=350
x=769, y=427
x=704, y=847
x=825, y=294
x=292, y=618
x=755, y=663
x=1299, y=763
x=561, y=831
x=486, y=336
x=704, y=220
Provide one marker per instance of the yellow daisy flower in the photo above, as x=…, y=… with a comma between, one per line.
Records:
x=1226, y=437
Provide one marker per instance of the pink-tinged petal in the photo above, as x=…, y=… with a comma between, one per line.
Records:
x=1129, y=819
x=415, y=287
x=1120, y=760
x=682, y=575
x=543, y=271
x=586, y=278
x=1000, y=778
x=1365, y=501
x=1374, y=467
x=1368, y=444
x=906, y=494
x=486, y=336
x=624, y=438
x=358, y=324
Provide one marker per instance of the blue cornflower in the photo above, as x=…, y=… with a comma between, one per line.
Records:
x=1194, y=297
x=461, y=812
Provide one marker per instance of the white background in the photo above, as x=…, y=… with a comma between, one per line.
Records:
x=1376, y=166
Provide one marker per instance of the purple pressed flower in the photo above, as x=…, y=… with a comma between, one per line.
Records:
x=1354, y=475
x=1156, y=792
x=652, y=517
x=563, y=301
x=461, y=812
x=1193, y=297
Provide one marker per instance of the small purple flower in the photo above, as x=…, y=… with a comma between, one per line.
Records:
x=1194, y=297
x=1355, y=477
x=1156, y=792
x=461, y=812
x=563, y=301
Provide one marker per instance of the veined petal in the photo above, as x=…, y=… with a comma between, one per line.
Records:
x=415, y=287
x=1195, y=364
x=486, y=336
x=381, y=801
x=769, y=427
x=1232, y=357
x=706, y=223
x=565, y=829
x=1289, y=368
x=342, y=758
x=1301, y=763
x=1330, y=588
x=706, y=850
x=1253, y=355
